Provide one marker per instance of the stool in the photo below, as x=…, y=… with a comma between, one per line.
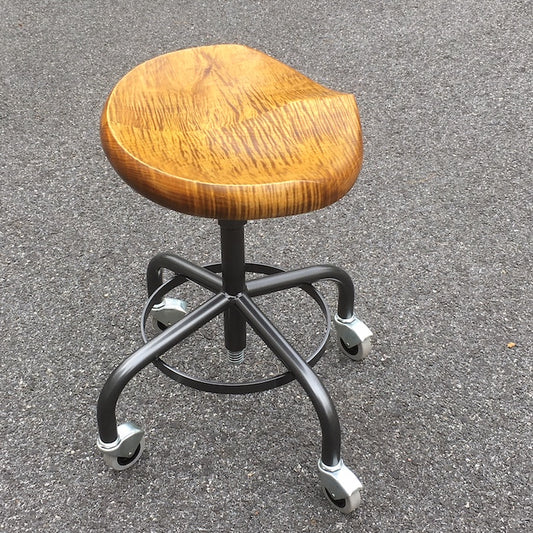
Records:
x=229, y=133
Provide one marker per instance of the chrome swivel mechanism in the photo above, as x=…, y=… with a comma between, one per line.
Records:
x=168, y=312
x=341, y=486
x=126, y=450
x=353, y=336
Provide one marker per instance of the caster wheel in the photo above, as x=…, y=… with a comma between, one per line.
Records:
x=354, y=337
x=344, y=505
x=126, y=450
x=341, y=486
x=358, y=352
x=123, y=463
x=168, y=312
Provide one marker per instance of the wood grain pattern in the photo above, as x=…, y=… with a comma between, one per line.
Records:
x=228, y=132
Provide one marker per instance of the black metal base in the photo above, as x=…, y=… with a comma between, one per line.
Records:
x=233, y=296
x=223, y=387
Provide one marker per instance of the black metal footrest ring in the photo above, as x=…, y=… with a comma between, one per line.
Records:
x=228, y=387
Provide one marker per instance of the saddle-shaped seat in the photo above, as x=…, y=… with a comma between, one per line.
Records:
x=228, y=132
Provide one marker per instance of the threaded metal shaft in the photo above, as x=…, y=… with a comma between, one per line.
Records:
x=236, y=357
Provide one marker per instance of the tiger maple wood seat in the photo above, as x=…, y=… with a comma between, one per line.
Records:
x=228, y=132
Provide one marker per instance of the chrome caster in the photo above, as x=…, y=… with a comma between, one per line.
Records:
x=126, y=450
x=168, y=312
x=341, y=486
x=354, y=337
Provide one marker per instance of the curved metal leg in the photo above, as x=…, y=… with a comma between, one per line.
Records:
x=119, y=378
x=327, y=415
x=294, y=278
x=179, y=266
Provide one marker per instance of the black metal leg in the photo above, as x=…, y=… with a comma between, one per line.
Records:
x=329, y=421
x=199, y=275
x=294, y=278
x=123, y=373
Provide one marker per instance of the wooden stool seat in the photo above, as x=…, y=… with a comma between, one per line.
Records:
x=228, y=132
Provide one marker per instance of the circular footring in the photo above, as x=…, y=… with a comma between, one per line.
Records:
x=234, y=388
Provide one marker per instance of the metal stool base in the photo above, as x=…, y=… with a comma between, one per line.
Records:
x=233, y=296
x=233, y=388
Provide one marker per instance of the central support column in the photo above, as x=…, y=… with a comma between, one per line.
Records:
x=233, y=279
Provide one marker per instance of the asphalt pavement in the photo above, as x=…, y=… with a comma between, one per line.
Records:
x=436, y=234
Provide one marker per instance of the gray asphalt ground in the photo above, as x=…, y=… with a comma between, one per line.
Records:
x=436, y=234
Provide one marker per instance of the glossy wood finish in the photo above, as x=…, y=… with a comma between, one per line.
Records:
x=228, y=132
